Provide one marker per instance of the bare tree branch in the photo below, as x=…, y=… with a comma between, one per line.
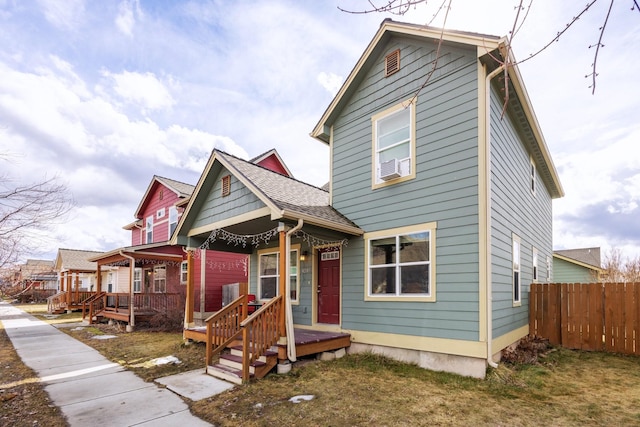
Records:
x=594, y=74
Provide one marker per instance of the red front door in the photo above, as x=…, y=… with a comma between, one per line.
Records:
x=329, y=286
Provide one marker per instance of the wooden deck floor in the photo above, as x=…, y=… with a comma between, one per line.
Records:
x=308, y=341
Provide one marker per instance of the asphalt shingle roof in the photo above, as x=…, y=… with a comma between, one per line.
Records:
x=589, y=256
x=185, y=190
x=74, y=259
x=288, y=193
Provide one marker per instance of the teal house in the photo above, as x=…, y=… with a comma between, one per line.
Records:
x=581, y=265
x=437, y=216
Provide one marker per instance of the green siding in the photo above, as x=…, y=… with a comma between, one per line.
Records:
x=514, y=209
x=216, y=208
x=445, y=189
x=568, y=272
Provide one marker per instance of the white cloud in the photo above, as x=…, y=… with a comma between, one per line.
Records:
x=330, y=81
x=127, y=12
x=145, y=90
x=65, y=15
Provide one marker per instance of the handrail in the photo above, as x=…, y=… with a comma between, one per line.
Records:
x=89, y=301
x=51, y=305
x=260, y=332
x=227, y=326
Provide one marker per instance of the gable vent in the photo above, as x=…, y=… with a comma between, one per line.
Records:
x=226, y=185
x=392, y=63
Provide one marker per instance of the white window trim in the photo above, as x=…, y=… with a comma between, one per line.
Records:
x=148, y=230
x=549, y=269
x=516, y=270
x=295, y=249
x=137, y=271
x=375, y=182
x=155, y=279
x=172, y=209
x=184, y=272
x=535, y=268
x=533, y=177
x=160, y=213
x=426, y=227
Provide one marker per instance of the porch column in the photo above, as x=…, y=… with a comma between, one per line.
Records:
x=69, y=288
x=188, y=307
x=77, y=298
x=98, y=280
x=62, y=274
x=282, y=268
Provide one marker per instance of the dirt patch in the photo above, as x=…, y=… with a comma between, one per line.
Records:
x=529, y=351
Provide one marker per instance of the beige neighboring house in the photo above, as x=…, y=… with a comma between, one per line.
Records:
x=37, y=274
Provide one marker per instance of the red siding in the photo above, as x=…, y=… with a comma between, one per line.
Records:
x=272, y=163
x=160, y=197
x=222, y=268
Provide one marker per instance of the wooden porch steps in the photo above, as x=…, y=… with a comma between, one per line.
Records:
x=229, y=366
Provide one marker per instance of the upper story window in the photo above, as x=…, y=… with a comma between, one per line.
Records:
x=149, y=229
x=516, y=269
x=173, y=219
x=394, y=144
x=160, y=213
x=400, y=264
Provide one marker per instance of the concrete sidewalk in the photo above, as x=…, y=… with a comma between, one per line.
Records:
x=89, y=389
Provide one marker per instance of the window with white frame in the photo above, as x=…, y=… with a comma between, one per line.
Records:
x=549, y=267
x=534, y=263
x=516, y=269
x=400, y=264
x=533, y=177
x=160, y=279
x=137, y=280
x=269, y=274
x=173, y=219
x=149, y=229
x=184, y=271
x=160, y=213
x=394, y=144
x=109, y=282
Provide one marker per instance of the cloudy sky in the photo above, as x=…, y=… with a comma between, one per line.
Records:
x=105, y=94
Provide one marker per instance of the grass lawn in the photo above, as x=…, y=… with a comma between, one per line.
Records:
x=566, y=388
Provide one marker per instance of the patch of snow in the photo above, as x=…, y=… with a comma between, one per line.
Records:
x=103, y=337
x=300, y=398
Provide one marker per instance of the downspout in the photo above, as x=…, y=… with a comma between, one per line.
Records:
x=291, y=339
x=487, y=130
x=132, y=266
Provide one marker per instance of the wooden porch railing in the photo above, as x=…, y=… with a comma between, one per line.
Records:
x=223, y=326
x=54, y=302
x=119, y=303
x=93, y=305
x=259, y=331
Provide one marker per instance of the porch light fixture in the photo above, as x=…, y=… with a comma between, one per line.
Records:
x=303, y=256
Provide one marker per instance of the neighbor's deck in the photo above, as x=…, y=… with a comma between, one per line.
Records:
x=307, y=341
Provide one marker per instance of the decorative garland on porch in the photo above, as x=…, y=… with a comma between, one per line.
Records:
x=266, y=236
x=142, y=261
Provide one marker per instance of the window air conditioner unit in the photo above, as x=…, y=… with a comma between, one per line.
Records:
x=390, y=170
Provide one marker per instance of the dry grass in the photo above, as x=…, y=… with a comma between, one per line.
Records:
x=565, y=388
x=23, y=401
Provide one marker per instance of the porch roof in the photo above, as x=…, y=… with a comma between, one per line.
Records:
x=139, y=253
x=285, y=198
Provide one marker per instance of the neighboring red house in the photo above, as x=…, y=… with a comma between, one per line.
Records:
x=161, y=268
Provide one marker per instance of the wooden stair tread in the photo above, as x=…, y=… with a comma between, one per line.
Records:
x=238, y=359
x=267, y=353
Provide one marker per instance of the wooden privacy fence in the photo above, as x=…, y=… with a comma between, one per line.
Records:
x=587, y=316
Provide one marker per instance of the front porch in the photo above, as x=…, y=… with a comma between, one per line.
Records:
x=250, y=346
x=120, y=306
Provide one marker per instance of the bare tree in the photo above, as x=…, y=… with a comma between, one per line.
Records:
x=26, y=211
x=618, y=269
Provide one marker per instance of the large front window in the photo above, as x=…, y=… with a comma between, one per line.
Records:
x=269, y=274
x=394, y=144
x=400, y=264
x=137, y=280
x=173, y=219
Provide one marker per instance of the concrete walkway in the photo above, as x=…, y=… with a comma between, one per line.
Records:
x=89, y=389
